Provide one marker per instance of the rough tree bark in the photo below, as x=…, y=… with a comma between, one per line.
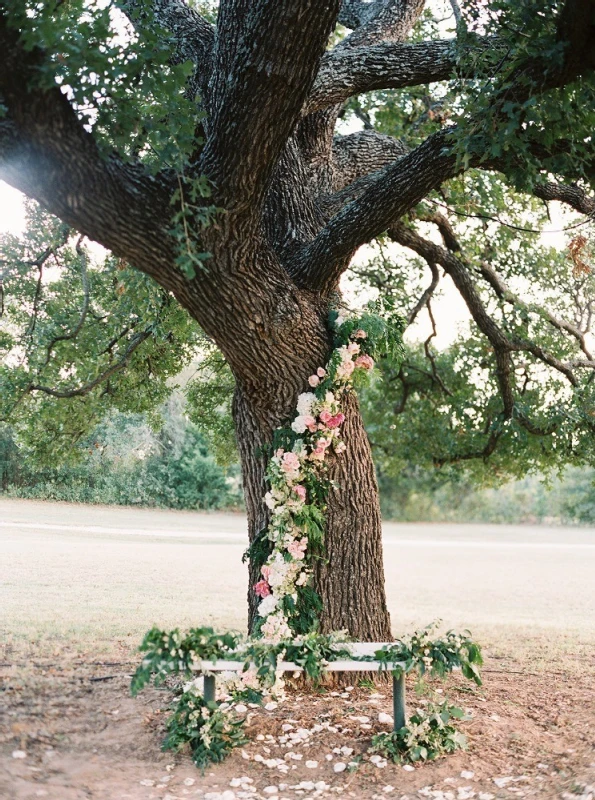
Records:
x=297, y=201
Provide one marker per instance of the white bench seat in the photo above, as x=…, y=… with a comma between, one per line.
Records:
x=358, y=649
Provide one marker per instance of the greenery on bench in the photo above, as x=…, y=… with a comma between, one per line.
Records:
x=212, y=729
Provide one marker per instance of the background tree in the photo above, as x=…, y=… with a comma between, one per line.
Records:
x=201, y=149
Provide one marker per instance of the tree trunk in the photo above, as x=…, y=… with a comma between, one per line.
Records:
x=350, y=578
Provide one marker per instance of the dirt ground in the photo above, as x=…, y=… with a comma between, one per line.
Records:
x=531, y=735
x=79, y=587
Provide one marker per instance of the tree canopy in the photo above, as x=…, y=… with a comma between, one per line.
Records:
x=465, y=127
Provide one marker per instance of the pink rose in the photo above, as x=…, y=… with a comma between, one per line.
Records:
x=266, y=571
x=360, y=334
x=297, y=549
x=335, y=421
x=321, y=372
x=262, y=588
x=345, y=370
x=340, y=447
x=290, y=462
x=364, y=362
x=310, y=423
x=352, y=348
x=300, y=491
x=313, y=380
x=325, y=416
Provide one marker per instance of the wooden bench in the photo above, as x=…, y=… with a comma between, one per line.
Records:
x=209, y=669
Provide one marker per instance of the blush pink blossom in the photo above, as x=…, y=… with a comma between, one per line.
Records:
x=345, y=370
x=321, y=372
x=325, y=416
x=360, y=334
x=313, y=380
x=262, y=588
x=297, y=549
x=340, y=447
x=335, y=421
x=300, y=491
x=290, y=462
x=266, y=571
x=364, y=362
x=310, y=423
x=352, y=348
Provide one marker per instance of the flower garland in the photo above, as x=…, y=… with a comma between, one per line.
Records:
x=298, y=486
x=212, y=729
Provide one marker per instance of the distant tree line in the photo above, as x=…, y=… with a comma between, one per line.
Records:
x=124, y=461
x=172, y=462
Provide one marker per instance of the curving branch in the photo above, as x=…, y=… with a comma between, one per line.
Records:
x=572, y=195
x=46, y=152
x=388, y=196
x=502, y=343
x=113, y=369
x=345, y=73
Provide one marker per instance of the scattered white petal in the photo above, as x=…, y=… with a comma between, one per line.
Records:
x=388, y=789
x=340, y=766
x=385, y=719
x=270, y=706
x=408, y=768
x=241, y=708
x=19, y=754
x=311, y=764
x=147, y=782
x=501, y=783
x=467, y=774
x=271, y=789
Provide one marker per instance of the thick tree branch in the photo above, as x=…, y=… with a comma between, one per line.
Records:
x=383, y=20
x=572, y=195
x=389, y=196
x=266, y=58
x=386, y=65
x=46, y=153
x=360, y=154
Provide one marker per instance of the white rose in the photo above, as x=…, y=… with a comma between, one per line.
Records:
x=298, y=425
x=304, y=403
x=267, y=605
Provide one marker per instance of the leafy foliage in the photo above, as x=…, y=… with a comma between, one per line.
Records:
x=204, y=727
x=169, y=653
x=428, y=734
x=437, y=657
x=123, y=461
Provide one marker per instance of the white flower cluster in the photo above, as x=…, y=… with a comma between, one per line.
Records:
x=292, y=473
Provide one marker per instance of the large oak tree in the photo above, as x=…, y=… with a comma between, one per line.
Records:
x=202, y=149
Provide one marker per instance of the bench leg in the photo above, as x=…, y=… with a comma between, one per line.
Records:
x=399, y=712
x=209, y=689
